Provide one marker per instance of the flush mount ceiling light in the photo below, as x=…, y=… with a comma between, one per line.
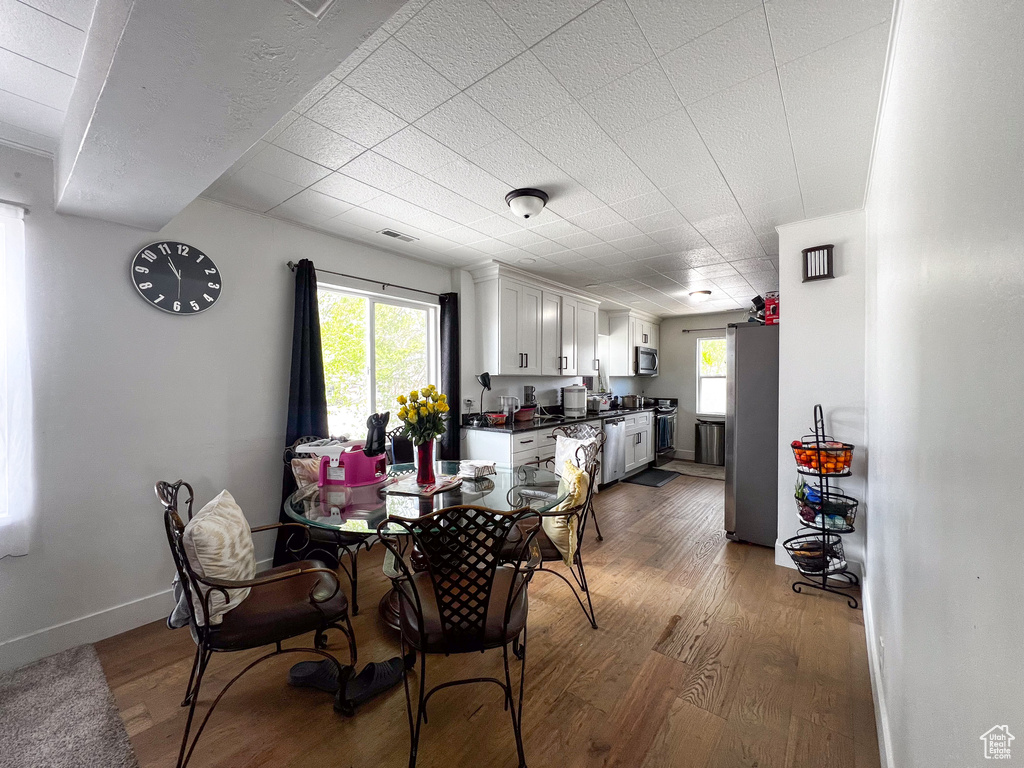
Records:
x=699, y=296
x=526, y=202
x=527, y=260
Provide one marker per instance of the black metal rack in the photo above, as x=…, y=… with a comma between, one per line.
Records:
x=817, y=550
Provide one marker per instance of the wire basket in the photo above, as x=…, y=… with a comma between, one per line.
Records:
x=825, y=510
x=829, y=457
x=817, y=554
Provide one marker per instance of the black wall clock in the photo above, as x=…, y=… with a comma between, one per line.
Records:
x=176, y=278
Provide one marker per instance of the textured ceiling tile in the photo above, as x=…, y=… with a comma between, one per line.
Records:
x=345, y=188
x=314, y=142
x=77, y=13
x=495, y=226
x=656, y=222
x=753, y=266
x=767, y=216
x=463, y=235
x=520, y=92
x=280, y=125
x=550, y=249
x=633, y=242
x=598, y=250
x=359, y=55
x=601, y=217
x=472, y=182
x=800, y=27
x=557, y=229
x=416, y=151
x=595, y=48
x=523, y=238
x=461, y=39
x=254, y=190
x=433, y=197
x=670, y=151
x=518, y=164
x=30, y=115
x=577, y=240
x=572, y=200
x=644, y=205
x=395, y=78
x=669, y=24
x=32, y=80
x=309, y=207
x=632, y=100
x=723, y=57
x=38, y=36
x=377, y=171
x=533, y=20
x=351, y=114
x=680, y=238
x=462, y=124
x=320, y=90
x=360, y=217
x=745, y=129
x=831, y=100
x=285, y=165
x=616, y=231
x=714, y=271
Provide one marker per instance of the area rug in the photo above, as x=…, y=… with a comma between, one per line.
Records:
x=655, y=478
x=693, y=469
x=59, y=713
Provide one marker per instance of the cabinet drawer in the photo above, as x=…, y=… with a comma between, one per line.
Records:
x=629, y=421
x=531, y=441
x=527, y=456
x=643, y=419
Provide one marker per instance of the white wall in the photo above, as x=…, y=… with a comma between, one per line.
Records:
x=945, y=351
x=126, y=395
x=677, y=365
x=821, y=360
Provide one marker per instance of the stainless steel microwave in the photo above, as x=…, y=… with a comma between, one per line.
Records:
x=646, y=362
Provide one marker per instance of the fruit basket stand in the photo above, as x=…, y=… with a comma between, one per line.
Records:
x=825, y=513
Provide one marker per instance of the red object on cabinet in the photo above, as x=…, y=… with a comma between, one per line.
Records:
x=771, y=308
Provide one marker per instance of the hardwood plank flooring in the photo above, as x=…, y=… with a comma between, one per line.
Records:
x=704, y=658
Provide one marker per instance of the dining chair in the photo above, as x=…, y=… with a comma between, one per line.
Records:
x=457, y=595
x=400, y=448
x=333, y=546
x=283, y=603
x=576, y=516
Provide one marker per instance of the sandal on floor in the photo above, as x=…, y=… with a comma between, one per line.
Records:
x=322, y=675
x=376, y=677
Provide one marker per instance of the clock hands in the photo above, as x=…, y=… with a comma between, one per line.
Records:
x=177, y=274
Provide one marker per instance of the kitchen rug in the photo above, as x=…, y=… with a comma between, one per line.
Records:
x=655, y=478
x=59, y=713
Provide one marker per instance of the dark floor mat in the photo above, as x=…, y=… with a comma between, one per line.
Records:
x=655, y=478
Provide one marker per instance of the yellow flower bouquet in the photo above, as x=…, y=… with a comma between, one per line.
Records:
x=422, y=414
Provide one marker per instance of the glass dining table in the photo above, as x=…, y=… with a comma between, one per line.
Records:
x=356, y=512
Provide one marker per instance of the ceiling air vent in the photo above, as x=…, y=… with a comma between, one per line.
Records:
x=398, y=235
x=315, y=8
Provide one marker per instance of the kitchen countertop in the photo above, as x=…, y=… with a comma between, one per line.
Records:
x=556, y=421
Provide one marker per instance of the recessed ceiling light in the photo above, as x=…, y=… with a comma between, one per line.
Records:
x=699, y=296
x=315, y=8
x=527, y=260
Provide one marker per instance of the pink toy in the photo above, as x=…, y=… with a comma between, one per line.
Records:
x=352, y=468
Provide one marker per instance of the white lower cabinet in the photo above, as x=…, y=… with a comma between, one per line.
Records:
x=511, y=449
x=639, y=434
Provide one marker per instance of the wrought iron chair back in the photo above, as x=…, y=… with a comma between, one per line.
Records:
x=290, y=452
x=462, y=549
x=175, y=528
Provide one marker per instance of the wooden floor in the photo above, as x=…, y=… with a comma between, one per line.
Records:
x=704, y=658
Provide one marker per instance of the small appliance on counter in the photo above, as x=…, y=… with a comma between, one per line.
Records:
x=509, y=405
x=599, y=402
x=574, y=402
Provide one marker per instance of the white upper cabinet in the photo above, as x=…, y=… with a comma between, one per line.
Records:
x=551, y=334
x=629, y=330
x=533, y=331
x=587, y=363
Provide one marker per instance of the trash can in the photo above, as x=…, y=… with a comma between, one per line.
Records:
x=710, y=442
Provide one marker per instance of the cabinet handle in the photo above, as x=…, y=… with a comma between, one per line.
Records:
x=527, y=360
x=597, y=364
x=525, y=442
x=520, y=359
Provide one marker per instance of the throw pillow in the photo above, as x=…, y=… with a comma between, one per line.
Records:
x=218, y=544
x=561, y=529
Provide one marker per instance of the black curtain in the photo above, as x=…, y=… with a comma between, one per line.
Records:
x=307, y=394
x=450, y=372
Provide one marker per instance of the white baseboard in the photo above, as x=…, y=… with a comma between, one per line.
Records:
x=685, y=455
x=877, y=689
x=90, y=628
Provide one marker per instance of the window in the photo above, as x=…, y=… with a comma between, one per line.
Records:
x=17, y=504
x=374, y=348
x=711, y=376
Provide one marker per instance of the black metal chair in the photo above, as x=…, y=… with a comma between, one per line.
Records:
x=334, y=546
x=587, y=458
x=400, y=448
x=283, y=603
x=456, y=595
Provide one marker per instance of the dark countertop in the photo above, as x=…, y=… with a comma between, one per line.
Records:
x=518, y=427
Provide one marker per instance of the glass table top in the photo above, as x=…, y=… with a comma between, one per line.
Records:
x=359, y=510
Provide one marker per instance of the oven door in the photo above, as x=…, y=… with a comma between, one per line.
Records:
x=646, y=363
x=666, y=431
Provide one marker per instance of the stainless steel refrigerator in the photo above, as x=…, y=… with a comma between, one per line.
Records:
x=752, y=433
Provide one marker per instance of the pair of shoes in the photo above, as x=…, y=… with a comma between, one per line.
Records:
x=375, y=678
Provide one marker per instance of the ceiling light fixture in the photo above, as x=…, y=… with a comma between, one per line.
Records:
x=699, y=296
x=527, y=260
x=526, y=202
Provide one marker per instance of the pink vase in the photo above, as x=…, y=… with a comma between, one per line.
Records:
x=425, y=463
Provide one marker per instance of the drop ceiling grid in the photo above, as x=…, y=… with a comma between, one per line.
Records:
x=620, y=182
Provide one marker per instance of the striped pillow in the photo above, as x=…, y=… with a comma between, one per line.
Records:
x=219, y=545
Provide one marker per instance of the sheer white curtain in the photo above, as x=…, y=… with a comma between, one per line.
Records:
x=17, y=485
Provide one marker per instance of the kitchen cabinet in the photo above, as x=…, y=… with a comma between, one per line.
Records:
x=512, y=327
x=513, y=449
x=629, y=329
x=529, y=330
x=551, y=334
x=639, y=441
x=586, y=339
